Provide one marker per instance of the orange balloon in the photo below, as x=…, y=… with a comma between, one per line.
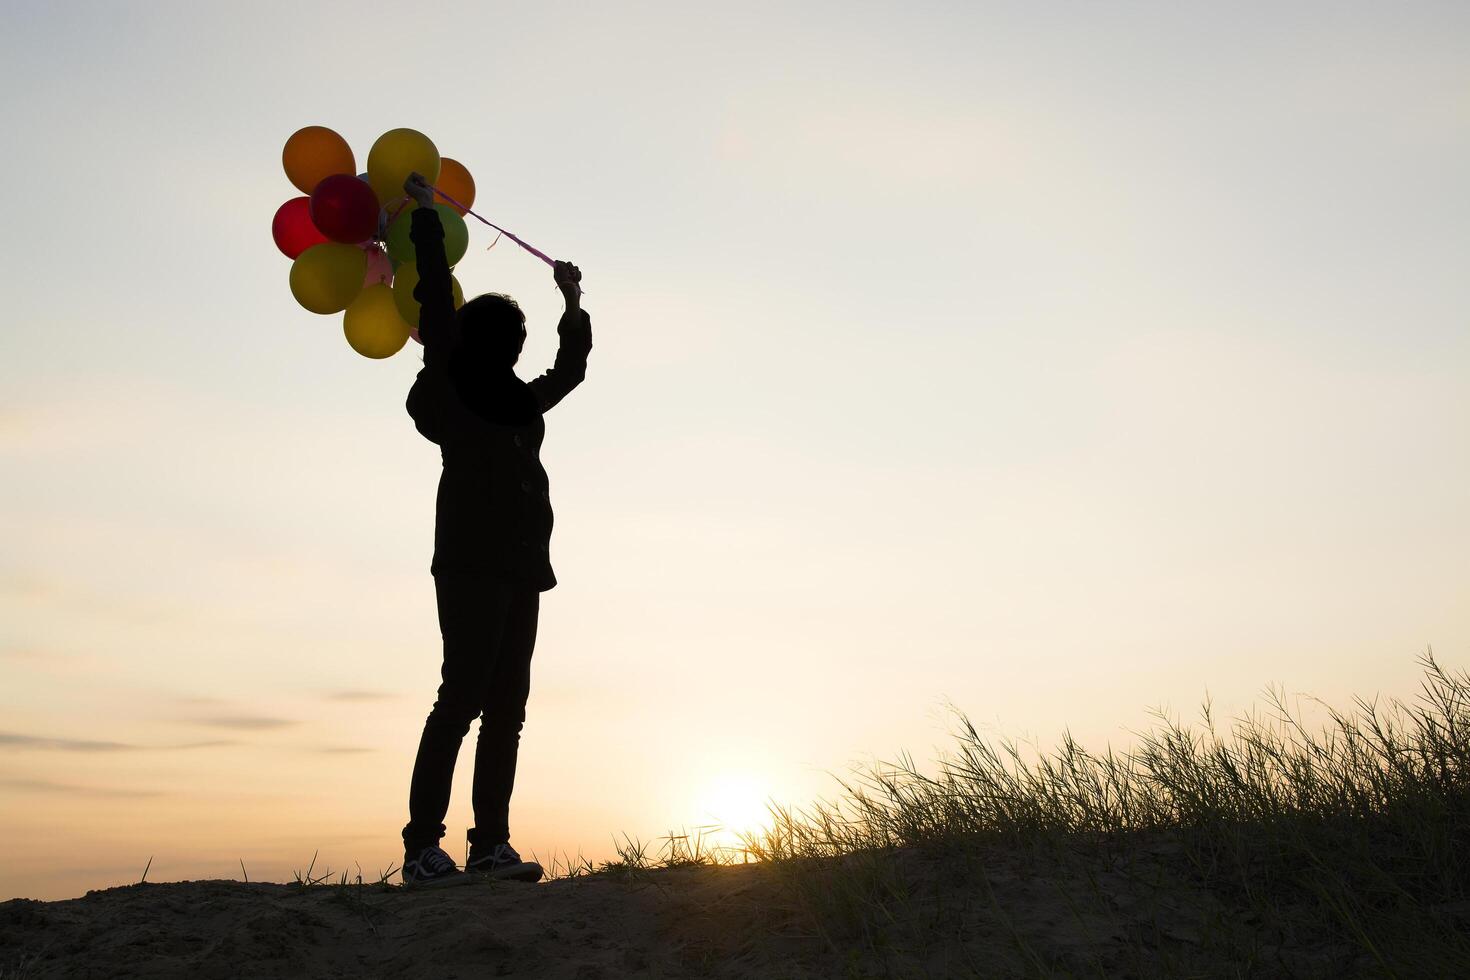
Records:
x=455, y=181
x=314, y=152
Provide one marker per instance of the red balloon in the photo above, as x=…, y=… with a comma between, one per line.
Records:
x=292, y=228
x=345, y=209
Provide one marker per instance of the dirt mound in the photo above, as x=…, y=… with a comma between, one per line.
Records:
x=680, y=922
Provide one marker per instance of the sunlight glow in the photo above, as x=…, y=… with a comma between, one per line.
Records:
x=737, y=803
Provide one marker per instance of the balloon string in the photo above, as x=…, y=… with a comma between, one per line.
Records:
x=530, y=248
x=398, y=210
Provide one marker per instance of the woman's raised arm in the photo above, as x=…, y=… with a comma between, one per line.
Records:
x=434, y=293
x=575, y=333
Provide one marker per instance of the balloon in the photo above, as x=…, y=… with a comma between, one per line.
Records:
x=396, y=154
x=372, y=324
x=327, y=278
x=314, y=152
x=390, y=211
x=397, y=240
x=407, y=277
x=456, y=235
x=364, y=178
x=292, y=228
x=345, y=209
x=379, y=267
x=455, y=181
x=414, y=333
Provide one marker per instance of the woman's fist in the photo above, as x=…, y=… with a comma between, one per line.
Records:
x=568, y=279
x=418, y=188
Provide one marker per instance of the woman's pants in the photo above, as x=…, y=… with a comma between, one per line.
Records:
x=489, y=630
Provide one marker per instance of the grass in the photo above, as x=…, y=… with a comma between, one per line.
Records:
x=1297, y=851
x=635, y=859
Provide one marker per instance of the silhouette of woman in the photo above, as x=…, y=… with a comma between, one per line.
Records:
x=492, y=535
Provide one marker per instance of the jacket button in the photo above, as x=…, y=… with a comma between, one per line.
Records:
x=518, y=440
x=526, y=485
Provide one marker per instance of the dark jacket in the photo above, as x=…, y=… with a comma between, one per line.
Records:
x=493, y=512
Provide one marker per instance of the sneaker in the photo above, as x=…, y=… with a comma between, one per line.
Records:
x=432, y=866
x=501, y=861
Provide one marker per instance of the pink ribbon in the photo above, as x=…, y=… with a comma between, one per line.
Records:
x=523, y=244
x=530, y=248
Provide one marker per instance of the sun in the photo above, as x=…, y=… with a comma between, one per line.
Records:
x=735, y=801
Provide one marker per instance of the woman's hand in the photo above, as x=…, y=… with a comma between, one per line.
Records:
x=418, y=188
x=568, y=279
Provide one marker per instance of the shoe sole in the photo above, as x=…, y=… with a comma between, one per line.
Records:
x=447, y=881
x=524, y=871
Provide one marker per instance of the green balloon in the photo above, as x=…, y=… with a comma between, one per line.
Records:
x=456, y=235
x=397, y=242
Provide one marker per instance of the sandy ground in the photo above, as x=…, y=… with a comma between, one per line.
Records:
x=1014, y=920
x=682, y=922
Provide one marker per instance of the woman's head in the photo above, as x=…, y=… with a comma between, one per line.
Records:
x=492, y=329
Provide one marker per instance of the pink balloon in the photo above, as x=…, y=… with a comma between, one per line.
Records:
x=379, y=266
x=414, y=333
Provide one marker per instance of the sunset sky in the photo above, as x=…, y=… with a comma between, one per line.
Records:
x=1051, y=361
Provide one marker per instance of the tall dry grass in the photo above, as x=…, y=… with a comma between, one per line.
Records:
x=1270, y=848
x=1340, y=847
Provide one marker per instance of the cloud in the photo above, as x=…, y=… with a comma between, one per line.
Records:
x=46, y=786
x=48, y=742
x=358, y=696
x=253, y=723
x=64, y=744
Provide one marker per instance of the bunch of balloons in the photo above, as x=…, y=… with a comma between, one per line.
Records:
x=348, y=237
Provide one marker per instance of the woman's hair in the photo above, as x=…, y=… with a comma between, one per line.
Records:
x=492, y=329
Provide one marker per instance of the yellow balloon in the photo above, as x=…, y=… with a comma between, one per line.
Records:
x=405, y=277
x=396, y=154
x=372, y=324
x=326, y=278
